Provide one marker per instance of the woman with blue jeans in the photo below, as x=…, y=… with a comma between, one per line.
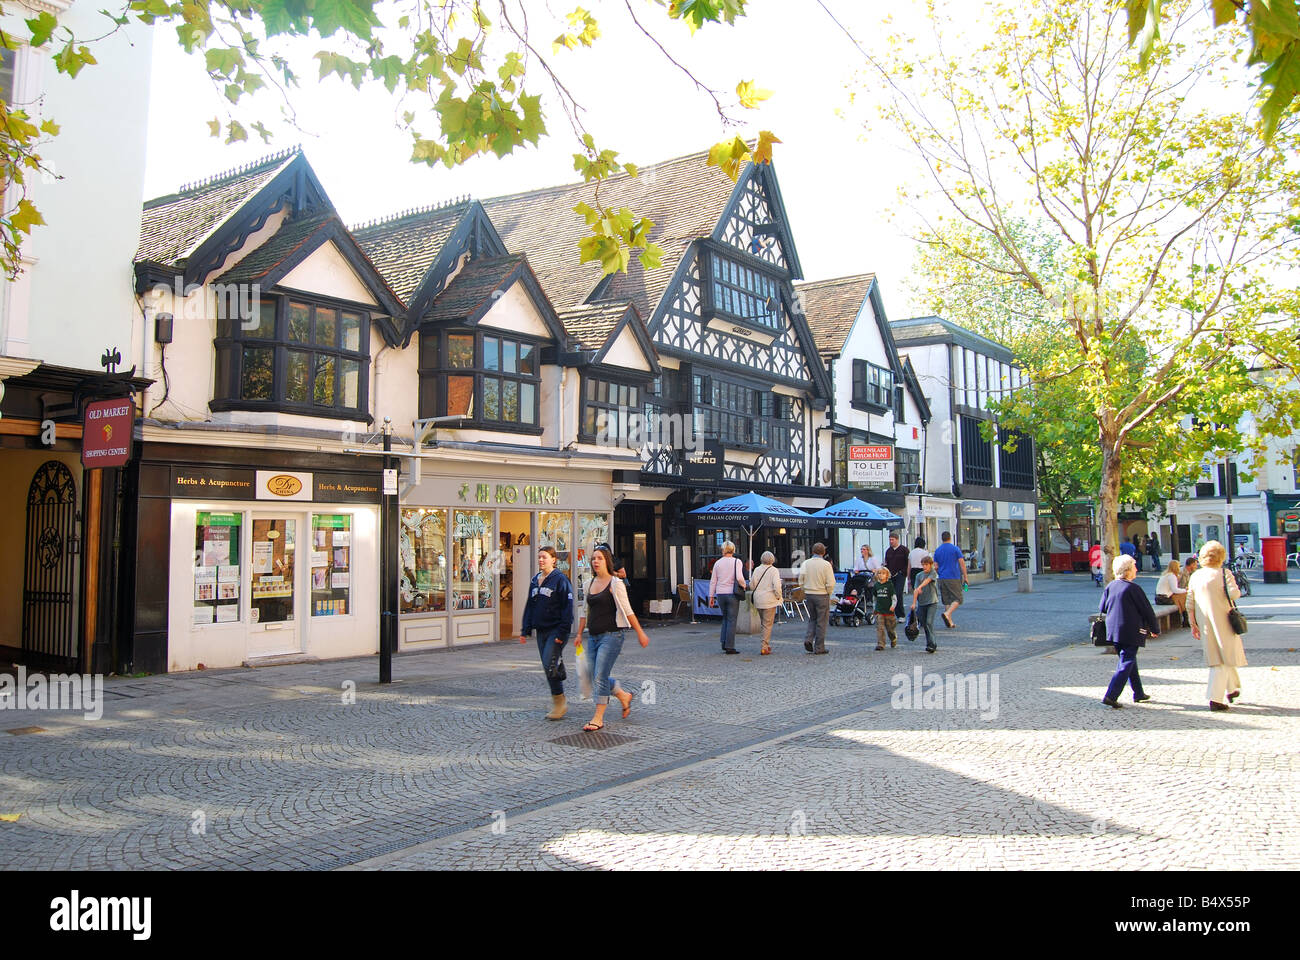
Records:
x=608, y=613
x=728, y=573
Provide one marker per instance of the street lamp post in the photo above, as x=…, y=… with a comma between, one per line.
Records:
x=387, y=563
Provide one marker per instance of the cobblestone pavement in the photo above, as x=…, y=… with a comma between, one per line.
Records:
x=782, y=761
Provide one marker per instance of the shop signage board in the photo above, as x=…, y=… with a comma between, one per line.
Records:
x=106, y=433
x=704, y=463
x=224, y=483
x=283, y=485
x=976, y=509
x=871, y=463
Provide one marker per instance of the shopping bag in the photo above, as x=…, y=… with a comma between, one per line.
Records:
x=584, y=670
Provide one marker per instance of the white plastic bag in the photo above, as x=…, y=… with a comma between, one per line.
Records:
x=584, y=671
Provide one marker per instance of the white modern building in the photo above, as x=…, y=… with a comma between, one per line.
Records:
x=994, y=489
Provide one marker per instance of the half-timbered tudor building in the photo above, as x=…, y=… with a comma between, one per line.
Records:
x=739, y=368
x=963, y=373
x=877, y=402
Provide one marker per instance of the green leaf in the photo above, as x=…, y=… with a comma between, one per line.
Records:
x=1225, y=11
x=235, y=132
x=25, y=216
x=1283, y=75
x=355, y=17
x=214, y=127
x=42, y=27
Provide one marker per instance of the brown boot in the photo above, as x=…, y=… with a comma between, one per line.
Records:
x=559, y=707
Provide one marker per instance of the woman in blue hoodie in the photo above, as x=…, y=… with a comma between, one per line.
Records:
x=549, y=611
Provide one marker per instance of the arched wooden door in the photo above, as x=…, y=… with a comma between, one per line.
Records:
x=50, y=568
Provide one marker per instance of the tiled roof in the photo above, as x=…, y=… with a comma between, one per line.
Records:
x=291, y=235
x=404, y=247
x=831, y=306
x=473, y=287
x=590, y=325
x=683, y=197
x=939, y=329
x=172, y=226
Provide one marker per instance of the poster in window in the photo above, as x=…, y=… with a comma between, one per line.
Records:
x=331, y=579
x=217, y=571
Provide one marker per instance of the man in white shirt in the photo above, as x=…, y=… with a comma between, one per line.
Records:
x=817, y=577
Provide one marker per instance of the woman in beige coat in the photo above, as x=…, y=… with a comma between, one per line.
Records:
x=766, y=584
x=1207, y=608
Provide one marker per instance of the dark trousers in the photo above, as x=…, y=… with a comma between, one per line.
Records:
x=1126, y=672
x=900, y=591
x=550, y=647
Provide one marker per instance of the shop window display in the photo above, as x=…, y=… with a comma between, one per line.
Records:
x=217, y=569
x=472, y=546
x=331, y=565
x=274, y=549
x=422, y=543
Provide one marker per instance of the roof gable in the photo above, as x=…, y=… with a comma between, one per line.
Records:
x=195, y=229
x=684, y=198
x=482, y=284
x=755, y=220
x=832, y=307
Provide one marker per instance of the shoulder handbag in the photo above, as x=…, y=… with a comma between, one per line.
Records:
x=1099, y=632
x=737, y=590
x=1235, y=618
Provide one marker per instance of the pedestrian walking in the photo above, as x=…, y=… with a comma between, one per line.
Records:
x=1169, y=592
x=1153, y=550
x=727, y=578
x=1211, y=591
x=896, y=561
x=608, y=614
x=767, y=596
x=1129, y=621
x=549, y=612
x=951, y=568
x=883, y=596
x=817, y=577
x=925, y=600
x=914, y=561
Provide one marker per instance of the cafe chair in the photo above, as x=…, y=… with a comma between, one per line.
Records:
x=683, y=599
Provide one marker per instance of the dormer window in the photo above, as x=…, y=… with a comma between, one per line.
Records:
x=294, y=356
x=492, y=381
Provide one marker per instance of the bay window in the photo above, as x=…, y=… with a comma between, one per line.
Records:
x=491, y=380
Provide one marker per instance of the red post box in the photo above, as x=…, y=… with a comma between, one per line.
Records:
x=1274, y=550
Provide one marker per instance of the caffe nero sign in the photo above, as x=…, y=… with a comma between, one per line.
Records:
x=704, y=463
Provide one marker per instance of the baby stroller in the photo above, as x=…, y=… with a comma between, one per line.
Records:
x=853, y=609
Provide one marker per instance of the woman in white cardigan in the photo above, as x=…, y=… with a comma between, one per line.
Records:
x=1208, y=590
x=766, y=584
x=608, y=614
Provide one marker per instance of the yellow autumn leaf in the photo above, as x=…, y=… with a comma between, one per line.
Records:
x=9, y=817
x=750, y=95
x=763, y=150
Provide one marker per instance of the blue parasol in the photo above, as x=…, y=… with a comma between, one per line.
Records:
x=857, y=514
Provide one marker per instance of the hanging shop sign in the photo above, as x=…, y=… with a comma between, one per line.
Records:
x=704, y=463
x=106, y=434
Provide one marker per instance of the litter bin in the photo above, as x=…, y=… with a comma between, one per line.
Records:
x=1274, y=550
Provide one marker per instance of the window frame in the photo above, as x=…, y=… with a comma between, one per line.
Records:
x=597, y=406
x=432, y=397
x=764, y=419
x=709, y=306
x=869, y=389
x=231, y=342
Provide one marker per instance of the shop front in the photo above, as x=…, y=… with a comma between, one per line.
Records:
x=1285, y=513
x=974, y=538
x=930, y=517
x=269, y=563
x=1015, y=539
x=468, y=541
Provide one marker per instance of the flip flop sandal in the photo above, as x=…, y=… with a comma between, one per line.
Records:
x=593, y=727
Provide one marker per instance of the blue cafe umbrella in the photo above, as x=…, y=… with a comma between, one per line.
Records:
x=750, y=511
x=857, y=514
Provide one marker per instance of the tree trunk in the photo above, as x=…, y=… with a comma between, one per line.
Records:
x=1108, y=503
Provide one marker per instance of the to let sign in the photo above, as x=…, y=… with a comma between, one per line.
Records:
x=871, y=463
x=106, y=433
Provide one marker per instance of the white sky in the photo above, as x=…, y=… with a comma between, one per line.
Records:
x=836, y=185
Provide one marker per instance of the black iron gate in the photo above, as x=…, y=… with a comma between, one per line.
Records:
x=50, y=569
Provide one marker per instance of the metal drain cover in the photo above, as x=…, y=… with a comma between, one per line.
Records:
x=597, y=740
